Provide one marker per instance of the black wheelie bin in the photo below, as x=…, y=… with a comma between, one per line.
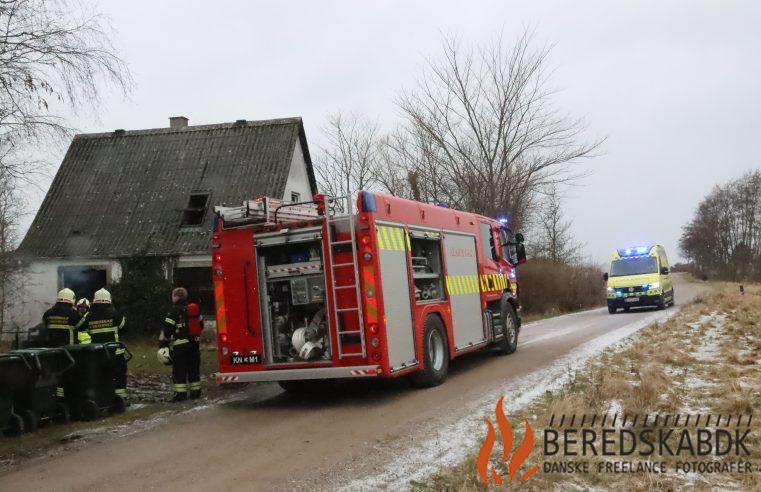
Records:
x=15, y=373
x=40, y=400
x=89, y=386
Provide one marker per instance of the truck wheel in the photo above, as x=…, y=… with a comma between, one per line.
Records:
x=509, y=341
x=612, y=309
x=435, y=355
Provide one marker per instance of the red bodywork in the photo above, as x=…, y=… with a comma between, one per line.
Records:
x=237, y=293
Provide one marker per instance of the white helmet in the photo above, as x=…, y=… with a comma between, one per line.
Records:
x=83, y=302
x=163, y=356
x=102, y=296
x=66, y=295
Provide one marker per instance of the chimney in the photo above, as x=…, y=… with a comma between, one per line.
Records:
x=176, y=122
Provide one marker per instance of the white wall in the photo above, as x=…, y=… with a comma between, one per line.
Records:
x=41, y=284
x=298, y=179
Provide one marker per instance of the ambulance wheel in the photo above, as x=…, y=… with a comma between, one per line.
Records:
x=509, y=341
x=89, y=410
x=15, y=426
x=435, y=355
x=31, y=420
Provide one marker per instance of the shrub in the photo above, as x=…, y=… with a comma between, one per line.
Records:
x=551, y=287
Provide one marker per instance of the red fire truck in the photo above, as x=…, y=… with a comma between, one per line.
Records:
x=316, y=291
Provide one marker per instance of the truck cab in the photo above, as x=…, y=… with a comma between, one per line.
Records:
x=639, y=276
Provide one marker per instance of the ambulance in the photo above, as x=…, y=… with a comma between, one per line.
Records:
x=639, y=276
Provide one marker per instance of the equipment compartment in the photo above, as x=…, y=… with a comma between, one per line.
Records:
x=295, y=322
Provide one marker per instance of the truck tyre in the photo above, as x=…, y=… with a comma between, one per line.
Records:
x=509, y=341
x=435, y=355
x=612, y=309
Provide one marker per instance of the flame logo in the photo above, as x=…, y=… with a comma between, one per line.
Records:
x=489, y=473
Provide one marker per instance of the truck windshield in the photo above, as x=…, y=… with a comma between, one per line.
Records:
x=633, y=266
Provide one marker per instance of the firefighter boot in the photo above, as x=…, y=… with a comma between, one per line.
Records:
x=179, y=397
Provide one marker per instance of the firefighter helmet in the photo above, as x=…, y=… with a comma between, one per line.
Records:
x=102, y=296
x=164, y=356
x=66, y=295
x=83, y=302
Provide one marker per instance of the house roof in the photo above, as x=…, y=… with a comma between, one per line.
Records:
x=123, y=193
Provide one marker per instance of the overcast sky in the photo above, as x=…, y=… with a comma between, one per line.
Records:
x=675, y=86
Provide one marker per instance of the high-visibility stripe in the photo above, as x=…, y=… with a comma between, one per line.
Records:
x=105, y=330
x=407, y=235
x=180, y=387
x=59, y=392
x=120, y=351
x=61, y=327
x=179, y=341
x=379, y=234
x=195, y=385
x=386, y=240
x=170, y=321
x=121, y=392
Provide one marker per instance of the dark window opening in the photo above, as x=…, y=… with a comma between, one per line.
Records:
x=83, y=280
x=295, y=197
x=197, y=280
x=194, y=213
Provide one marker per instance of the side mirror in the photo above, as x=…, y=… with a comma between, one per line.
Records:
x=605, y=276
x=664, y=270
x=520, y=253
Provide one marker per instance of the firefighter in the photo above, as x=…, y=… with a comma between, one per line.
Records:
x=63, y=325
x=83, y=306
x=63, y=322
x=104, y=324
x=184, y=349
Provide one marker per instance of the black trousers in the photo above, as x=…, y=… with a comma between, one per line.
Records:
x=186, y=367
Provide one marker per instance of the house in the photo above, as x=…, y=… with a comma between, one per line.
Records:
x=151, y=192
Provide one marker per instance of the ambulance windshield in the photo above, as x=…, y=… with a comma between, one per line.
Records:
x=637, y=265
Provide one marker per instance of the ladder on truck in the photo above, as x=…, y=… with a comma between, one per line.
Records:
x=338, y=211
x=268, y=211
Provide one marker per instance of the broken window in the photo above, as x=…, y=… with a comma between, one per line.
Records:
x=83, y=280
x=194, y=213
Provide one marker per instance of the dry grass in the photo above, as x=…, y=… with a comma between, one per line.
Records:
x=705, y=360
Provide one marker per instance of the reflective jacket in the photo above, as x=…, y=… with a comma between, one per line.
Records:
x=175, y=328
x=63, y=323
x=103, y=323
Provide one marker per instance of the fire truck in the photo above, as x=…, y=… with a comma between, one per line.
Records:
x=378, y=287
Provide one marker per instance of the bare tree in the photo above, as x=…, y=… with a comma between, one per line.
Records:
x=481, y=121
x=724, y=236
x=349, y=160
x=54, y=56
x=553, y=239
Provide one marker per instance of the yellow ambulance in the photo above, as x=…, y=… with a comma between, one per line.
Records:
x=639, y=276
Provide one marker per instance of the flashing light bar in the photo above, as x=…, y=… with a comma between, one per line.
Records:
x=637, y=251
x=502, y=220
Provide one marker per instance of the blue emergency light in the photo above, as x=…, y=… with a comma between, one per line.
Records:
x=638, y=251
x=502, y=220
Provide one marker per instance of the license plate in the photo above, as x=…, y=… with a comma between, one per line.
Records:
x=631, y=299
x=245, y=359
